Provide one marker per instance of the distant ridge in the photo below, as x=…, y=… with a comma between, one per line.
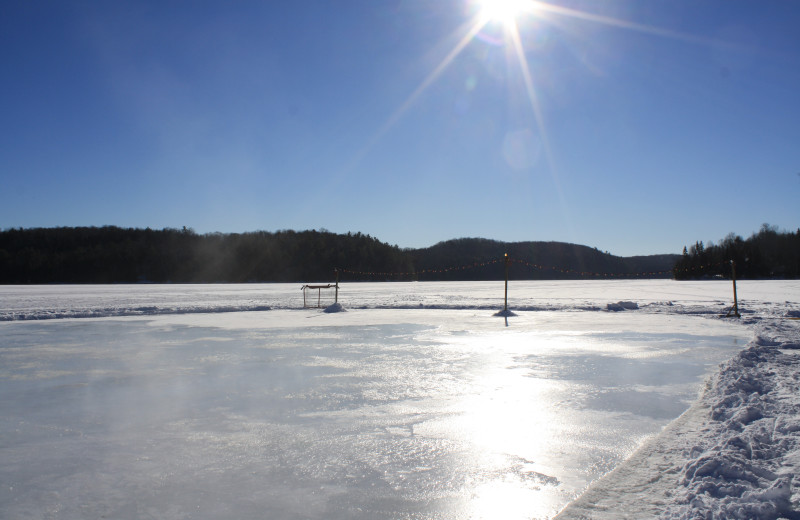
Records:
x=538, y=260
x=111, y=254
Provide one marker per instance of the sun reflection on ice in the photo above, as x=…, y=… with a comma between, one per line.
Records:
x=509, y=421
x=507, y=498
x=508, y=411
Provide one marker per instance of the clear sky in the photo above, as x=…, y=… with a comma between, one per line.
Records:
x=633, y=126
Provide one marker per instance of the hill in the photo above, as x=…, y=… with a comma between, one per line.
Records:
x=533, y=261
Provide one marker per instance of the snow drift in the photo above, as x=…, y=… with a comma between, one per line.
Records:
x=734, y=454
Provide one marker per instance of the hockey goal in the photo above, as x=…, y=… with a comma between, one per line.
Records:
x=318, y=296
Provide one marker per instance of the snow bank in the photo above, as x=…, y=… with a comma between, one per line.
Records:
x=622, y=306
x=122, y=311
x=504, y=313
x=734, y=454
x=336, y=307
x=742, y=466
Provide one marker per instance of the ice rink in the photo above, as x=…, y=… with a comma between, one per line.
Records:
x=181, y=403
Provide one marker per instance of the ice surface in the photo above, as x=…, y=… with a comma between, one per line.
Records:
x=416, y=403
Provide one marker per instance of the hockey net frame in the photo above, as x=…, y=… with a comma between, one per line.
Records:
x=315, y=298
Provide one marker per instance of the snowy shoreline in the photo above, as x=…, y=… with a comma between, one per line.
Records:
x=707, y=298
x=734, y=454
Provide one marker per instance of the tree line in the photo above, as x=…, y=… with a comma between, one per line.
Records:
x=768, y=253
x=116, y=255
x=130, y=255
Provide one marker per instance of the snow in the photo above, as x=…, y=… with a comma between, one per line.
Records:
x=231, y=401
x=763, y=298
x=336, y=307
x=622, y=306
x=505, y=313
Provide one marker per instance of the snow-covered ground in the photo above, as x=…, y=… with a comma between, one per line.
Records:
x=209, y=401
x=764, y=298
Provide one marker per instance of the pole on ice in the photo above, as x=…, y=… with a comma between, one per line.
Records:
x=505, y=307
x=336, y=297
x=735, y=309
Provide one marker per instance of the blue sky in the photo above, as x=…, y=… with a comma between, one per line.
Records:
x=636, y=127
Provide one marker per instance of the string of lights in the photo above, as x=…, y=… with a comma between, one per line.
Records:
x=531, y=265
x=589, y=273
x=401, y=274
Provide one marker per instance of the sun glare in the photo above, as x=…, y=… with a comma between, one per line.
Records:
x=503, y=11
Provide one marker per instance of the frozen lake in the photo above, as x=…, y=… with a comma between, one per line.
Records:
x=373, y=413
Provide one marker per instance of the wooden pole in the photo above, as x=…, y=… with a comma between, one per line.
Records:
x=735, y=299
x=505, y=307
x=336, y=299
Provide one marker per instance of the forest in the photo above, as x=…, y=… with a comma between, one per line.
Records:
x=116, y=255
x=112, y=254
x=768, y=253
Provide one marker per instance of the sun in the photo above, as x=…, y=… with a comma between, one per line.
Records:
x=503, y=11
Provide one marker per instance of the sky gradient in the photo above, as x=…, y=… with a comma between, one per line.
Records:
x=636, y=127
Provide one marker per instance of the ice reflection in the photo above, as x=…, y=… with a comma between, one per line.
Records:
x=507, y=419
x=509, y=412
x=503, y=498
